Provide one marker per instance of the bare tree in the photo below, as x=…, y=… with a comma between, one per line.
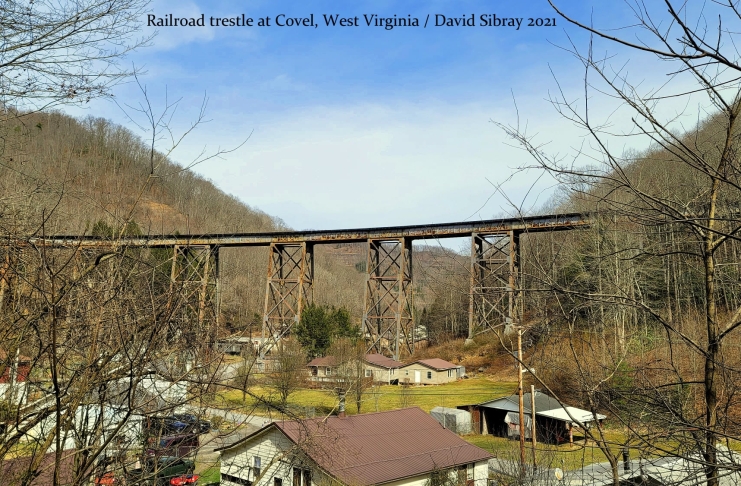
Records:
x=289, y=370
x=63, y=51
x=348, y=373
x=685, y=188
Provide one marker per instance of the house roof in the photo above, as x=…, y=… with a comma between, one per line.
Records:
x=434, y=363
x=236, y=339
x=5, y=357
x=322, y=361
x=12, y=471
x=669, y=470
x=545, y=406
x=377, y=448
x=382, y=361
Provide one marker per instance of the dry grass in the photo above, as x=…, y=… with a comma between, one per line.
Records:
x=381, y=398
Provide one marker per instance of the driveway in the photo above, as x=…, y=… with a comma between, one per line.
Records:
x=244, y=425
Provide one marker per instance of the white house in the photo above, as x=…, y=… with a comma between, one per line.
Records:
x=432, y=371
x=376, y=366
x=381, y=368
x=396, y=448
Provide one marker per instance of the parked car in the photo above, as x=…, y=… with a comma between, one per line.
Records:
x=154, y=471
x=175, y=424
x=197, y=426
x=163, y=471
x=173, y=445
x=158, y=426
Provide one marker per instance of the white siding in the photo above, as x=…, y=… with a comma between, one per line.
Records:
x=406, y=375
x=415, y=481
x=381, y=374
x=480, y=477
x=277, y=459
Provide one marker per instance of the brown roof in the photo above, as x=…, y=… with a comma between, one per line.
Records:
x=383, y=361
x=12, y=471
x=436, y=364
x=322, y=361
x=21, y=358
x=377, y=448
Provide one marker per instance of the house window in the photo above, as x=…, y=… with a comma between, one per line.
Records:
x=301, y=477
x=329, y=371
x=450, y=373
x=393, y=371
x=429, y=375
x=314, y=371
x=461, y=473
x=368, y=373
x=256, y=467
x=406, y=372
x=277, y=482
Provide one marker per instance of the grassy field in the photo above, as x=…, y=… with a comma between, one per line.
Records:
x=307, y=402
x=565, y=456
x=387, y=397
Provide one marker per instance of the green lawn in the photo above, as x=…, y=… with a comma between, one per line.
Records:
x=462, y=392
x=210, y=475
x=387, y=397
x=565, y=456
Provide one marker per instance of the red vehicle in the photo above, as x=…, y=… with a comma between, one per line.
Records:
x=183, y=480
x=154, y=471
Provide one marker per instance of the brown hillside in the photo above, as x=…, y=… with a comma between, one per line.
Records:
x=73, y=173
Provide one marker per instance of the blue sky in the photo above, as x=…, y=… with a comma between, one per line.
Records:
x=363, y=126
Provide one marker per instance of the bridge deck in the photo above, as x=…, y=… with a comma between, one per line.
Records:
x=413, y=232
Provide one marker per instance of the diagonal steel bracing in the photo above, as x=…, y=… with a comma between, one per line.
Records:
x=388, y=318
x=495, y=282
x=193, y=301
x=289, y=288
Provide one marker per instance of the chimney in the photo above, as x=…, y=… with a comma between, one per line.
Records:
x=341, y=408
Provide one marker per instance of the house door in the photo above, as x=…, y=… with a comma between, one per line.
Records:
x=417, y=376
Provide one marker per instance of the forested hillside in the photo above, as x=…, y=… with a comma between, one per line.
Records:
x=64, y=176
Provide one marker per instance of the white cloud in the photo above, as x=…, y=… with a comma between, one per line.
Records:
x=373, y=164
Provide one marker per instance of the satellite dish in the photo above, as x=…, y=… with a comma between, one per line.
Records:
x=558, y=472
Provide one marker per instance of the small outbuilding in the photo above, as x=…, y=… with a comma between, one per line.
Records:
x=554, y=421
x=459, y=421
x=235, y=345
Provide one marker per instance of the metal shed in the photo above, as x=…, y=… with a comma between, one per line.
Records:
x=459, y=421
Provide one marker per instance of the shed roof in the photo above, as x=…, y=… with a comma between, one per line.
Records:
x=383, y=361
x=377, y=448
x=669, y=470
x=545, y=406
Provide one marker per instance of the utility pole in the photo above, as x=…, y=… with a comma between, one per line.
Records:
x=521, y=400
